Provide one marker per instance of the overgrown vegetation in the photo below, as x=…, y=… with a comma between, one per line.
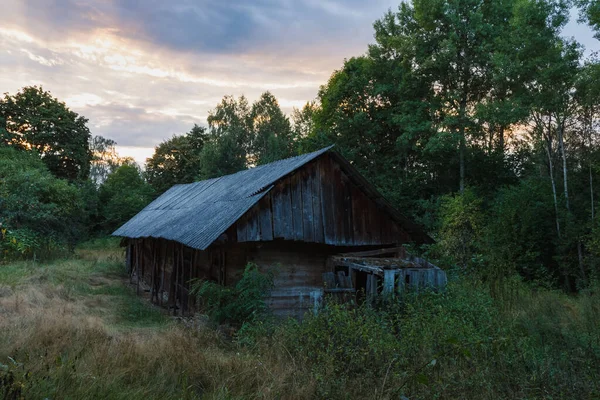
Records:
x=478, y=119
x=237, y=304
x=73, y=328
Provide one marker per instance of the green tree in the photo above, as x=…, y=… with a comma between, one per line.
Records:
x=33, y=119
x=272, y=135
x=176, y=160
x=123, y=194
x=229, y=139
x=38, y=212
x=104, y=159
x=590, y=12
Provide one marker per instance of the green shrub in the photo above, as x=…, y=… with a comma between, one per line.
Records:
x=460, y=343
x=236, y=304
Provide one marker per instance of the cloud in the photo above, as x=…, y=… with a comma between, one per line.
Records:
x=141, y=71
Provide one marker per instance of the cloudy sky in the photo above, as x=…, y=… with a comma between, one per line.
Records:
x=142, y=71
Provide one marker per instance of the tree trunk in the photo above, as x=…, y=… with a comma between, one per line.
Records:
x=592, y=192
x=548, y=140
x=462, y=145
x=581, y=266
x=561, y=144
x=501, y=140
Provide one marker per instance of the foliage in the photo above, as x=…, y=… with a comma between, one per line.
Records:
x=461, y=343
x=461, y=226
x=228, y=143
x=105, y=159
x=123, y=194
x=176, y=160
x=272, y=135
x=33, y=119
x=34, y=206
x=236, y=304
x=521, y=233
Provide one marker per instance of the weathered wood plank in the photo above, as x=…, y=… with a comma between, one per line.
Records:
x=347, y=210
x=327, y=201
x=329, y=280
x=389, y=276
x=318, y=233
x=253, y=229
x=297, y=220
x=338, y=202
x=377, y=252
x=266, y=219
x=375, y=221
x=307, y=207
x=282, y=211
x=241, y=230
x=365, y=268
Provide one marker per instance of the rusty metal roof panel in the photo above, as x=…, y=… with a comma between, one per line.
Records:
x=196, y=214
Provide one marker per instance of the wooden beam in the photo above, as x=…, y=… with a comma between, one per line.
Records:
x=377, y=252
x=365, y=268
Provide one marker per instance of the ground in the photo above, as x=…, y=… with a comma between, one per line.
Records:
x=74, y=329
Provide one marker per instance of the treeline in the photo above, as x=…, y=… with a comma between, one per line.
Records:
x=478, y=119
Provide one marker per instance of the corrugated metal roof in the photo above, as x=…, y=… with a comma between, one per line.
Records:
x=196, y=214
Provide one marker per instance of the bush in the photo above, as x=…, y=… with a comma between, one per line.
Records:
x=34, y=208
x=461, y=343
x=236, y=304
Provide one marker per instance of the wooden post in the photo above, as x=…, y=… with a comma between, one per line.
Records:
x=371, y=286
x=163, y=263
x=128, y=258
x=401, y=278
x=137, y=268
x=152, y=271
x=389, y=276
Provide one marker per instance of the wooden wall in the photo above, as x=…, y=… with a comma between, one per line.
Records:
x=166, y=267
x=318, y=203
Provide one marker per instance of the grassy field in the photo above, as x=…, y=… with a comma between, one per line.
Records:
x=74, y=329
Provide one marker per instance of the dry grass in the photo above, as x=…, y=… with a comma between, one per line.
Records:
x=73, y=329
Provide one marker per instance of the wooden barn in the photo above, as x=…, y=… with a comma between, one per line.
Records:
x=312, y=219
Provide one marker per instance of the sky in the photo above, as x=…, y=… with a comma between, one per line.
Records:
x=142, y=71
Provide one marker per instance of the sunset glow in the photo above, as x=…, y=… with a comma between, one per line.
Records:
x=141, y=73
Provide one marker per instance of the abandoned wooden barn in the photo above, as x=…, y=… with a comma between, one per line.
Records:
x=312, y=219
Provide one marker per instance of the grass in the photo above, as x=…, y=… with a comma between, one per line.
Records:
x=74, y=329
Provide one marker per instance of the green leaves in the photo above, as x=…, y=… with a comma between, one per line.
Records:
x=177, y=160
x=33, y=119
x=39, y=212
x=242, y=303
x=123, y=194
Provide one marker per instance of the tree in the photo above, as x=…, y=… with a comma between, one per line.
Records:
x=229, y=139
x=272, y=135
x=303, y=121
x=105, y=159
x=123, y=194
x=590, y=12
x=33, y=119
x=38, y=212
x=176, y=160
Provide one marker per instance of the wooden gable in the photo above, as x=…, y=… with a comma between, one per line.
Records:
x=319, y=203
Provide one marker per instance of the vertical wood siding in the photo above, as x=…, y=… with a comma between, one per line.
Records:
x=319, y=203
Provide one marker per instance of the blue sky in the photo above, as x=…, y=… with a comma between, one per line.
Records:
x=142, y=71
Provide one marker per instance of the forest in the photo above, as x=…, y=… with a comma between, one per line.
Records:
x=477, y=119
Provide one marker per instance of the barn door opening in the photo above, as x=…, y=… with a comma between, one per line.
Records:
x=360, y=283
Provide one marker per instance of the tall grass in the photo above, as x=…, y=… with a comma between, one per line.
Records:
x=74, y=329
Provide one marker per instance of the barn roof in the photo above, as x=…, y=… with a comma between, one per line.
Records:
x=196, y=214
